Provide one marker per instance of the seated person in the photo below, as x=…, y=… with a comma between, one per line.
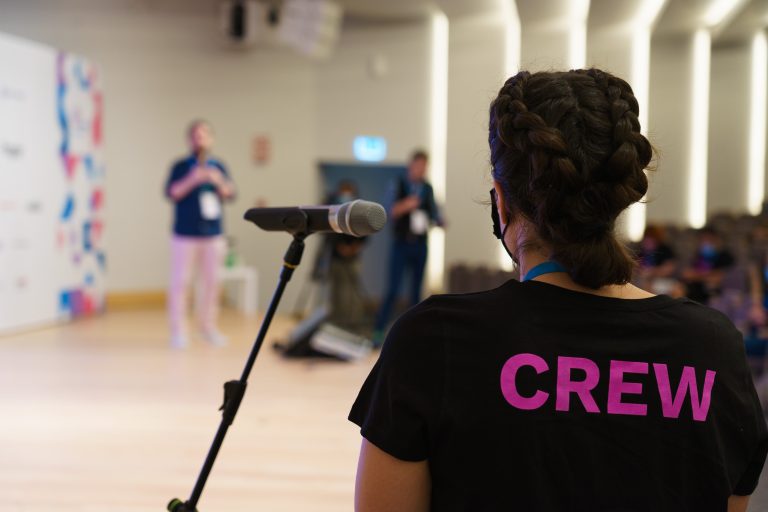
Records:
x=657, y=261
x=704, y=277
x=339, y=264
x=758, y=277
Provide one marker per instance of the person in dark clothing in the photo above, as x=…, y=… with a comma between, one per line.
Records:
x=347, y=307
x=704, y=277
x=572, y=390
x=758, y=277
x=656, y=262
x=655, y=254
x=413, y=211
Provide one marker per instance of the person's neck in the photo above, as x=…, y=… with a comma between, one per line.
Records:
x=531, y=258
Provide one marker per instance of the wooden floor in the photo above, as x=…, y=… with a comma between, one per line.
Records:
x=102, y=415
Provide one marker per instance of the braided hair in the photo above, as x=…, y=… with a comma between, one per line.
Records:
x=567, y=150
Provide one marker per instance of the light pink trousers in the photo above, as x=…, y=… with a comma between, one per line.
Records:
x=189, y=254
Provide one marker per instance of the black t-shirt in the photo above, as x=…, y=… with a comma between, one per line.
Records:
x=532, y=397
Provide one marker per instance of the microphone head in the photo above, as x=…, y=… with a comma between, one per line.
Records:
x=361, y=218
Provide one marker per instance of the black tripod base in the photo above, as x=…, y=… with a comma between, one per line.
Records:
x=176, y=505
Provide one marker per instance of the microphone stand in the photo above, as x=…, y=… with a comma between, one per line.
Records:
x=235, y=389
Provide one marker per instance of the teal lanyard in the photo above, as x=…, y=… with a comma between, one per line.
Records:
x=547, y=267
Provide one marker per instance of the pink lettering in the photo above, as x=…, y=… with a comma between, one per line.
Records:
x=617, y=387
x=566, y=386
x=509, y=385
x=671, y=408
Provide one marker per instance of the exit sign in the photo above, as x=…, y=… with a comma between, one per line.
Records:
x=369, y=149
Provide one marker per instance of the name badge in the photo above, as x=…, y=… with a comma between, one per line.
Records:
x=210, y=205
x=419, y=222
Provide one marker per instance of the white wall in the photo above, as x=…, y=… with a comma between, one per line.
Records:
x=669, y=130
x=161, y=69
x=729, y=110
x=610, y=49
x=353, y=100
x=544, y=49
x=164, y=62
x=476, y=73
x=545, y=37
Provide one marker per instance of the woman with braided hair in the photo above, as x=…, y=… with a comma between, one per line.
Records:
x=572, y=390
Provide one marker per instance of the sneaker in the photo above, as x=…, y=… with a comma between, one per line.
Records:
x=214, y=337
x=179, y=341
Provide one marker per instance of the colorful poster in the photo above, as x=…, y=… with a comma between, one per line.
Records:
x=52, y=258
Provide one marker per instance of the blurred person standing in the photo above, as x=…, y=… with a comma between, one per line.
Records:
x=198, y=184
x=412, y=211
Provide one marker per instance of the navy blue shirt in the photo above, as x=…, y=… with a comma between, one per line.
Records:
x=423, y=190
x=190, y=219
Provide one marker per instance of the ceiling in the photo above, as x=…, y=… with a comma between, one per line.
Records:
x=677, y=16
x=612, y=12
x=405, y=9
x=753, y=17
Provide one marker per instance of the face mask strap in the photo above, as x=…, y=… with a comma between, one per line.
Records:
x=497, y=231
x=495, y=216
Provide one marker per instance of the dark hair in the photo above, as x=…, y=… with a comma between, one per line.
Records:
x=419, y=154
x=347, y=184
x=567, y=150
x=656, y=232
x=709, y=230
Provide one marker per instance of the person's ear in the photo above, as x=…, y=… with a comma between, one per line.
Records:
x=501, y=203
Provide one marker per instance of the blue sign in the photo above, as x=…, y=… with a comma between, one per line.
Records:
x=369, y=149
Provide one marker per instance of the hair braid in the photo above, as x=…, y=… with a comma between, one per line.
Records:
x=568, y=152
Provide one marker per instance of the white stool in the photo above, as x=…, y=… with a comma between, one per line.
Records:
x=246, y=279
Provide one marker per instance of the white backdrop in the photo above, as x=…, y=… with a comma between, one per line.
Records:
x=52, y=260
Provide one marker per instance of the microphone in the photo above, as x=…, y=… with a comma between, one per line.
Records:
x=356, y=218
